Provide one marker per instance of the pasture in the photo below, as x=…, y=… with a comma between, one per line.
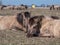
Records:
x=17, y=37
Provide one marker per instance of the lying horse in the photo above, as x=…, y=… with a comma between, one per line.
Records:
x=14, y=21
x=42, y=26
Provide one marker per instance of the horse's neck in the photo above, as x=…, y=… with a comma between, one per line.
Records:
x=46, y=20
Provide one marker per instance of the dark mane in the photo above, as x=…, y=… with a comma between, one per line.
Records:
x=55, y=17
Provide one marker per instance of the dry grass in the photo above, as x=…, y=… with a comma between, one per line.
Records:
x=16, y=37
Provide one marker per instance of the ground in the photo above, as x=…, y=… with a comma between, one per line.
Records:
x=17, y=37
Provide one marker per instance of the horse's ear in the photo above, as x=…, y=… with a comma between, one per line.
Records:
x=27, y=14
x=18, y=13
x=19, y=18
x=41, y=17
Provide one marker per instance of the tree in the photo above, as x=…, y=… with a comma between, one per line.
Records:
x=42, y=5
x=0, y=2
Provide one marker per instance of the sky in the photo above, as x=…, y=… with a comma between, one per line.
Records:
x=30, y=2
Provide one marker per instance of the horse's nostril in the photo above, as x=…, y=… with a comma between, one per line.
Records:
x=29, y=35
x=35, y=35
